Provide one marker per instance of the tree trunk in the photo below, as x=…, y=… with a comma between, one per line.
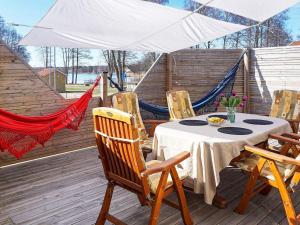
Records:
x=256, y=36
x=267, y=38
x=46, y=57
x=77, y=61
x=72, y=65
x=224, y=41
x=261, y=36
x=237, y=40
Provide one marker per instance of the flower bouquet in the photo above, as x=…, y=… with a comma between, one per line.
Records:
x=231, y=103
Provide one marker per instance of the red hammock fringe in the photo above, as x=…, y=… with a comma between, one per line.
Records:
x=19, y=134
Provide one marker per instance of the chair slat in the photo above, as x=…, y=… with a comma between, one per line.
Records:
x=108, y=153
x=116, y=129
x=128, y=152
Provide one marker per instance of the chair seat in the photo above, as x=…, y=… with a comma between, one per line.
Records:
x=249, y=163
x=153, y=179
x=146, y=144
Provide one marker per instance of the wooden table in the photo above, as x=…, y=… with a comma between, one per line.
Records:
x=211, y=151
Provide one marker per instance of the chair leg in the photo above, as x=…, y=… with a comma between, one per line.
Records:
x=250, y=187
x=158, y=198
x=186, y=217
x=285, y=196
x=142, y=200
x=106, y=204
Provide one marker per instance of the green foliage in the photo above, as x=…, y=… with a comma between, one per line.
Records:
x=232, y=101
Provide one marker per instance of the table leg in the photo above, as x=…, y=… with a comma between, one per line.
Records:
x=219, y=201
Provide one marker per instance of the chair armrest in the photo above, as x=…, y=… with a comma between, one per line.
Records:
x=284, y=139
x=159, y=167
x=271, y=155
x=291, y=135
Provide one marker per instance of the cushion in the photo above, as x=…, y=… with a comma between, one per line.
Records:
x=128, y=102
x=248, y=164
x=179, y=104
x=153, y=179
x=286, y=104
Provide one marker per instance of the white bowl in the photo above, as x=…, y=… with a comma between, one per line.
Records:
x=215, y=123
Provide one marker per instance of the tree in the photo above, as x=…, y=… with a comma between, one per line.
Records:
x=117, y=62
x=270, y=33
x=11, y=38
x=66, y=56
x=144, y=63
x=81, y=55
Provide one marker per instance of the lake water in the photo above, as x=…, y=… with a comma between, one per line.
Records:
x=81, y=77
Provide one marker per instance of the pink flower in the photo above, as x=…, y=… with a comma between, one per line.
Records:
x=242, y=105
x=245, y=98
x=222, y=94
x=233, y=93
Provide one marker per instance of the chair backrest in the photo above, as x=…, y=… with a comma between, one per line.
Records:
x=128, y=102
x=180, y=106
x=118, y=145
x=286, y=104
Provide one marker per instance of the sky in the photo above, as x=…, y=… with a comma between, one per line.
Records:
x=29, y=12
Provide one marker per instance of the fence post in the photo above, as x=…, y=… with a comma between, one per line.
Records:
x=103, y=89
x=246, y=72
x=169, y=74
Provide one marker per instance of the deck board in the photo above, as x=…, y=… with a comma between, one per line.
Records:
x=69, y=189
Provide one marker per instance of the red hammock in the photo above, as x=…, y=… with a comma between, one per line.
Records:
x=19, y=134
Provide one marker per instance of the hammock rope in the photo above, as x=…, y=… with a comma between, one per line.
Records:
x=20, y=134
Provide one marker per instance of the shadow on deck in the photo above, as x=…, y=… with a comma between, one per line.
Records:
x=68, y=189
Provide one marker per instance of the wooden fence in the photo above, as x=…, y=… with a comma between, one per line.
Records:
x=196, y=70
x=23, y=92
x=260, y=73
x=272, y=69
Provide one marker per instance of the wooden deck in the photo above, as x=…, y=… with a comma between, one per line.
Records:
x=68, y=189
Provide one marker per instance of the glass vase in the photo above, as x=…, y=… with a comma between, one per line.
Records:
x=231, y=114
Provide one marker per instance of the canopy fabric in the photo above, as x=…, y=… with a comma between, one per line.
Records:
x=258, y=10
x=124, y=25
x=20, y=134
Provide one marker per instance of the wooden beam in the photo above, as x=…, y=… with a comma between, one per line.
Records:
x=246, y=74
x=103, y=89
x=169, y=74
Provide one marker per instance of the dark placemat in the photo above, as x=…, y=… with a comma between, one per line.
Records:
x=193, y=122
x=258, y=122
x=219, y=115
x=235, y=130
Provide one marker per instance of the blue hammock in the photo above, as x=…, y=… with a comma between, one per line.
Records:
x=197, y=105
x=206, y=100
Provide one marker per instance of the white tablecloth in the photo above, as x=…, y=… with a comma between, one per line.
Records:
x=211, y=151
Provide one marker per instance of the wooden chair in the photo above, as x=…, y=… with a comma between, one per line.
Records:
x=286, y=105
x=118, y=144
x=274, y=170
x=179, y=104
x=128, y=102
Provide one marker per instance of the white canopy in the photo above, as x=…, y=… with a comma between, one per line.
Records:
x=124, y=25
x=258, y=10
